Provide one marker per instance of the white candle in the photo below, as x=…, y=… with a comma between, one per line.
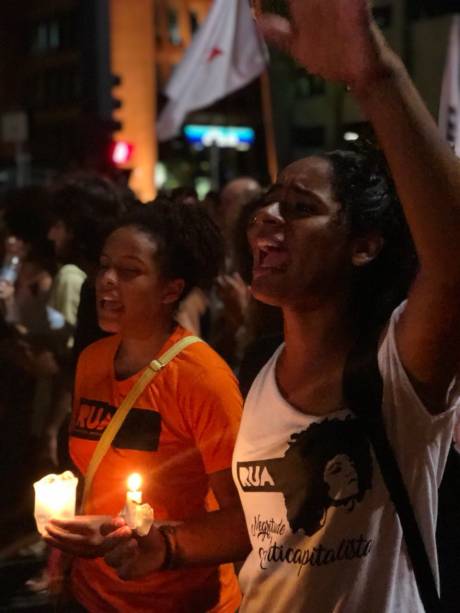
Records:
x=55, y=498
x=133, y=499
x=138, y=516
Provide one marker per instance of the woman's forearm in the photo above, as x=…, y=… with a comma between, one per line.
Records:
x=218, y=537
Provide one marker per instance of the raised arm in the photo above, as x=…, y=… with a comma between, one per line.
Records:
x=339, y=40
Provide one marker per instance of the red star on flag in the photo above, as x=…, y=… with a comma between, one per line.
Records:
x=215, y=52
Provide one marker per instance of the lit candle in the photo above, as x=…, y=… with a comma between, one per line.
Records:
x=138, y=516
x=133, y=499
x=55, y=498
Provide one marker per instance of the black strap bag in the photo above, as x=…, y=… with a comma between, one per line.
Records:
x=363, y=392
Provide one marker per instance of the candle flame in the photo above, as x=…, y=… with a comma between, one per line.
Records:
x=134, y=482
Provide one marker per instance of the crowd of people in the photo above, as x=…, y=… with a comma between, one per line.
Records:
x=329, y=301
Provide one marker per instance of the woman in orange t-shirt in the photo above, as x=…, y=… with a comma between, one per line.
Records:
x=179, y=435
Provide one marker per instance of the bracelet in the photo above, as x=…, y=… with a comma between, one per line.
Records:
x=169, y=536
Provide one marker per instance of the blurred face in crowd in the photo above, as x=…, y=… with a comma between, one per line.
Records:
x=60, y=235
x=15, y=246
x=301, y=251
x=132, y=294
x=233, y=197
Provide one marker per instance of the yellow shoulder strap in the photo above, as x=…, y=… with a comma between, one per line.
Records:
x=120, y=415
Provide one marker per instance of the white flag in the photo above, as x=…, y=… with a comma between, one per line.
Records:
x=225, y=54
x=449, y=109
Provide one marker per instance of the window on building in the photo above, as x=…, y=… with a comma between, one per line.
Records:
x=39, y=38
x=173, y=27
x=308, y=86
x=68, y=26
x=54, y=33
x=54, y=87
x=65, y=87
x=34, y=91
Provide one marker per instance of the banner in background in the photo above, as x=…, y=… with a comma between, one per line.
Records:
x=226, y=54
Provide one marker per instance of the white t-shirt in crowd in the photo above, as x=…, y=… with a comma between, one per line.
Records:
x=324, y=532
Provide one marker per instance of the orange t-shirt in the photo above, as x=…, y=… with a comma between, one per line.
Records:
x=181, y=429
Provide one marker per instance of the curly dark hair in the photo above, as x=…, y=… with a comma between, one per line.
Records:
x=89, y=205
x=190, y=245
x=363, y=185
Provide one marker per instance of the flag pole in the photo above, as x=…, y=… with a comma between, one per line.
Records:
x=449, y=105
x=267, y=112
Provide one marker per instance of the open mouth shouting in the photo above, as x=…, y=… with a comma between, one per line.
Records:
x=109, y=305
x=269, y=259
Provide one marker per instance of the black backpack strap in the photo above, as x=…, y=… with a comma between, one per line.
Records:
x=363, y=392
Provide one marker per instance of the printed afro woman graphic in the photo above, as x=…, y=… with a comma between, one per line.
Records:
x=327, y=465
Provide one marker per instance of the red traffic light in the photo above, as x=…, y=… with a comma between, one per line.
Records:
x=121, y=152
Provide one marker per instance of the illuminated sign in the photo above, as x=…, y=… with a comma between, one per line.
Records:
x=240, y=138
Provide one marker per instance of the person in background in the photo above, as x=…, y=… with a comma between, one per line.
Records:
x=211, y=203
x=25, y=280
x=27, y=217
x=229, y=306
x=193, y=312
x=84, y=209
x=184, y=195
x=179, y=436
x=232, y=198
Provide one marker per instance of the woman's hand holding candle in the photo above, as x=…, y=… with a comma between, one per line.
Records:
x=137, y=557
x=87, y=536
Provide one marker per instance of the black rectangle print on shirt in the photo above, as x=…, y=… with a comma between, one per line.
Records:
x=140, y=430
